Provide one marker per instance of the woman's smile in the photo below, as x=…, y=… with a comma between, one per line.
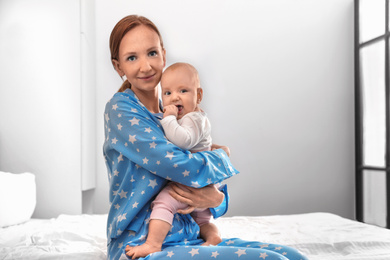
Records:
x=147, y=78
x=142, y=60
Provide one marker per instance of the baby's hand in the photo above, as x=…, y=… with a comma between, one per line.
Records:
x=170, y=110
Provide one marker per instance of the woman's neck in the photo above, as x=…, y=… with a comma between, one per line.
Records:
x=149, y=100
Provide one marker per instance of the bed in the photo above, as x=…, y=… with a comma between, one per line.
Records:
x=318, y=235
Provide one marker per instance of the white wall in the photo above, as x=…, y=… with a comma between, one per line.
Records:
x=40, y=99
x=47, y=101
x=278, y=83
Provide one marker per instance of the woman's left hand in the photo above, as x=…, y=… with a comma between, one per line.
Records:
x=223, y=147
x=206, y=197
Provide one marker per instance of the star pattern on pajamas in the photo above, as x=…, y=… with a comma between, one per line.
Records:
x=245, y=250
x=140, y=161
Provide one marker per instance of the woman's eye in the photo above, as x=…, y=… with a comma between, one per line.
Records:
x=153, y=53
x=131, y=58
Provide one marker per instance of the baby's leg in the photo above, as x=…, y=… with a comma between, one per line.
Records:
x=163, y=209
x=208, y=231
x=158, y=229
x=210, y=234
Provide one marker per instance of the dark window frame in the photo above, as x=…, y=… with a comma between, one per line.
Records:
x=359, y=149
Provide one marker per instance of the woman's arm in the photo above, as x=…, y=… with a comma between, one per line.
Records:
x=135, y=134
x=206, y=197
x=217, y=200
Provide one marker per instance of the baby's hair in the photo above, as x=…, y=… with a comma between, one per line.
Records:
x=187, y=66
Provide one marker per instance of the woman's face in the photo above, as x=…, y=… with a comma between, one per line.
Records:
x=141, y=59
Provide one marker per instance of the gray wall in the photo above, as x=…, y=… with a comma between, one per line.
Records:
x=278, y=83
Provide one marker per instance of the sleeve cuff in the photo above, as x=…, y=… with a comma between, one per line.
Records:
x=223, y=207
x=226, y=162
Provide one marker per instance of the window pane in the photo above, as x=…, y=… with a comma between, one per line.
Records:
x=373, y=98
x=374, y=197
x=372, y=19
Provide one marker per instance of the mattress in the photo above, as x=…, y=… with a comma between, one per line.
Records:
x=318, y=235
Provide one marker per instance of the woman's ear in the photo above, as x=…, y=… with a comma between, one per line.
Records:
x=199, y=95
x=117, y=67
x=164, y=57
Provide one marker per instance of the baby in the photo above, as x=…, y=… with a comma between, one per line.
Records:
x=187, y=126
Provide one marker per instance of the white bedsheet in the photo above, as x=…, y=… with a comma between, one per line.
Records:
x=318, y=235
x=80, y=237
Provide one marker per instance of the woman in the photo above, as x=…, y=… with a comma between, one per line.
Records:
x=140, y=160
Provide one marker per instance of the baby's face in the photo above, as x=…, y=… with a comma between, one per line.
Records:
x=180, y=88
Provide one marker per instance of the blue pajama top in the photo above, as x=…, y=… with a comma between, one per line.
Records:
x=140, y=161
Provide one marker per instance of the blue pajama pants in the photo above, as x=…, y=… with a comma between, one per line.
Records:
x=233, y=248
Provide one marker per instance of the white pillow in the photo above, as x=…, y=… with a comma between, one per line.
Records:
x=17, y=198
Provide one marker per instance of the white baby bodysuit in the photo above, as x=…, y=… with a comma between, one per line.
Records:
x=191, y=132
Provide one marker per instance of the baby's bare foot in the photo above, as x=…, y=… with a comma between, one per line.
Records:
x=141, y=251
x=212, y=241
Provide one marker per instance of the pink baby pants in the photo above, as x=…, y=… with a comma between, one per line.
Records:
x=165, y=206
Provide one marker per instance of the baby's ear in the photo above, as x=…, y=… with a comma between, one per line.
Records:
x=199, y=95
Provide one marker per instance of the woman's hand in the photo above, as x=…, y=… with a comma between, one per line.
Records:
x=225, y=148
x=206, y=197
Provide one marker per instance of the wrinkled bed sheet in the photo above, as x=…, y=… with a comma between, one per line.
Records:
x=318, y=235
x=322, y=236
x=66, y=237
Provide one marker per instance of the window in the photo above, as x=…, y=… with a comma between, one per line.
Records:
x=372, y=90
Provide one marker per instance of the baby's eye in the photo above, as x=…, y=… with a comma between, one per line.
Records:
x=153, y=53
x=167, y=93
x=183, y=91
x=131, y=58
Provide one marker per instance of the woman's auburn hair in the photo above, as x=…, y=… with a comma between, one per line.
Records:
x=121, y=28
